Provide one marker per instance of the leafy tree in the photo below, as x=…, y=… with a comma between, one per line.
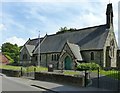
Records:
x=20, y=47
x=65, y=29
x=11, y=50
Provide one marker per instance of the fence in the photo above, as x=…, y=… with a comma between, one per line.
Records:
x=105, y=79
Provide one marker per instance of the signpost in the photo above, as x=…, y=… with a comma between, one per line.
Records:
x=39, y=49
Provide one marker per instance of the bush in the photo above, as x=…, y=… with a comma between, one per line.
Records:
x=88, y=66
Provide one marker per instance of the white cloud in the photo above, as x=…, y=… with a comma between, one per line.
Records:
x=46, y=0
x=60, y=1
x=16, y=40
x=2, y=27
x=95, y=15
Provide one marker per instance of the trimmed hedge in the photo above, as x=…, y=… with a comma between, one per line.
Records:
x=87, y=66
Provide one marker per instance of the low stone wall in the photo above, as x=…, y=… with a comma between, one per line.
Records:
x=12, y=73
x=55, y=77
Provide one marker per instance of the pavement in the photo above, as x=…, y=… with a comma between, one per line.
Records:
x=57, y=87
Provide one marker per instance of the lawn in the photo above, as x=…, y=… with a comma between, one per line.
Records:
x=10, y=67
x=37, y=69
x=111, y=73
x=25, y=69
x=71, y=72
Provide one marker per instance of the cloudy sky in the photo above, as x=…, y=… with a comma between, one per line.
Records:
x=23, y=19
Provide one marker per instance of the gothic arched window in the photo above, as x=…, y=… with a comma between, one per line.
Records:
x=92, y=55
x=111, y=51
x=24, y=56
x=55, y=57
x=52, y=57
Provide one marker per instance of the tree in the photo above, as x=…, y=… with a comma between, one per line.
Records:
x=20, y=47
x=65, y=29
x=11, y=50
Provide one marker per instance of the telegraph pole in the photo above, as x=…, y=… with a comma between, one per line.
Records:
x=39, y=49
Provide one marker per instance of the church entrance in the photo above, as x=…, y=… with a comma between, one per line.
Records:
x=68, y=63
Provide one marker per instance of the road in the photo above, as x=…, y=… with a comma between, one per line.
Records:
x=12, y=84
x=22, y=85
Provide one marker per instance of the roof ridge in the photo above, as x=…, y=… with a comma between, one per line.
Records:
x=35, y=38
x=78, y=29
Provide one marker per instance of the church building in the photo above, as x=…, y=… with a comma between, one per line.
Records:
x=92, y=44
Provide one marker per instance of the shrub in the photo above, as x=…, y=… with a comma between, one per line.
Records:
x=89, y=66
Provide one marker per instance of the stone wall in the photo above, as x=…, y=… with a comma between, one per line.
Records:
x=12, y=73
x=60, y=78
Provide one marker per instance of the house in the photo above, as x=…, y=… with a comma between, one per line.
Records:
x=92, y=44
x=3, y=59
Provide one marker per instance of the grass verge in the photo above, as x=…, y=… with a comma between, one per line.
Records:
x=25, y=69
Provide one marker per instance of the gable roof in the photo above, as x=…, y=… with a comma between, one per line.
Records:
x=75, y=50
x=33, y=41
x=30, y=48
x=31, y=44
x=86, y=38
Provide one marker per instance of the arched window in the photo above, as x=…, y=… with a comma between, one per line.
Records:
x=92, y=55
x=111, y=51
x=52, y=57
x=25, y=56
x=40, y=57
x=36, y=58
x=57, y=57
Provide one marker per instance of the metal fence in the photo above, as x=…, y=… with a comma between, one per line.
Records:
x=105, y=79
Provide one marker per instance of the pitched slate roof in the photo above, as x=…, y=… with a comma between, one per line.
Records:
x=86, y=38
x=33, y=41
x=75, y=50
x=31, y=44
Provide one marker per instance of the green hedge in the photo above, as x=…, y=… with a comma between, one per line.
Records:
x=88, y=66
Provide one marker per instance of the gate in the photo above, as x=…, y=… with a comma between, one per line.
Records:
x=28, y=72
x=105, y=79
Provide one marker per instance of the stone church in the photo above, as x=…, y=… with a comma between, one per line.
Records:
x=92, y=44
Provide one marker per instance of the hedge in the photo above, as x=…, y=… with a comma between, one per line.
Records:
x=88, y=66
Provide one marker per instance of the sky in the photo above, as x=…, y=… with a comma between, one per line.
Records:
x=23, y=19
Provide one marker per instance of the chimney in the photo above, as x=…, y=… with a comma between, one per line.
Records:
x=109, y=15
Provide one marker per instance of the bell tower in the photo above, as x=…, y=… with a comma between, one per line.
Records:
x=109, y=15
